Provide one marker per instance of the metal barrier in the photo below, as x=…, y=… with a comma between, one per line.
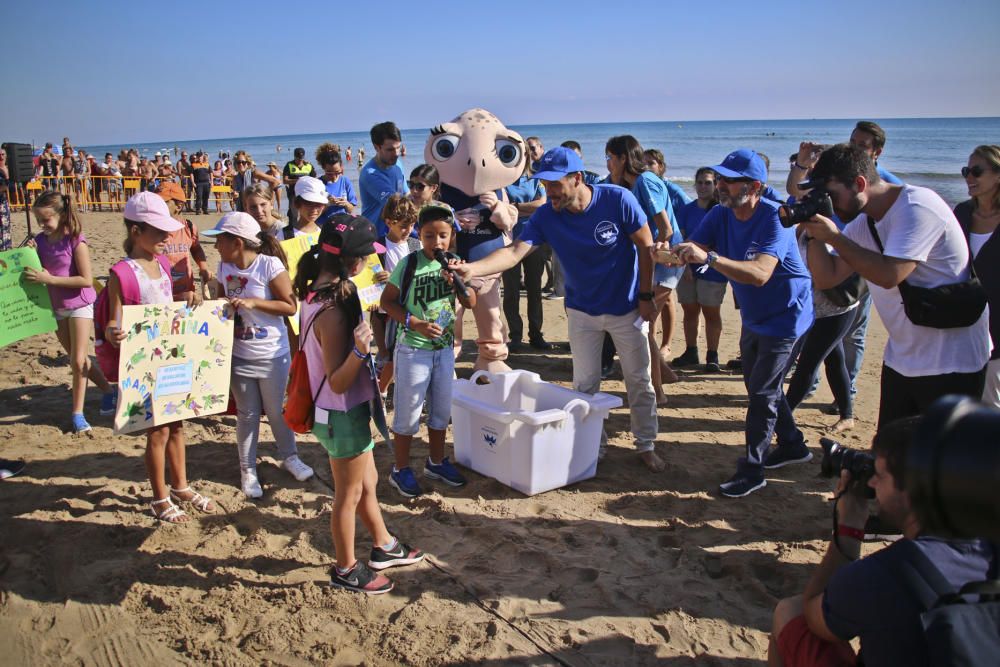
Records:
x=102, y=193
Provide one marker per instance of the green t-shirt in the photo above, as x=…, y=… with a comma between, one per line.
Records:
x=430, y=298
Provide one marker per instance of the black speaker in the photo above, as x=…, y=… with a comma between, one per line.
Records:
x=19, y=162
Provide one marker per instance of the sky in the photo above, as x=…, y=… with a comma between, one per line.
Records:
x=127, y=72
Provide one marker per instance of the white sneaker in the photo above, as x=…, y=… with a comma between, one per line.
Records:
x=297, y=468
x=250, y=484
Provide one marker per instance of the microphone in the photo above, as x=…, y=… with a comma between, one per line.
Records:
x=459, y=285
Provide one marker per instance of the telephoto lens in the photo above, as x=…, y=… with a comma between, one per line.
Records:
x=953, y=470
x=837, y=457
x=817, y=201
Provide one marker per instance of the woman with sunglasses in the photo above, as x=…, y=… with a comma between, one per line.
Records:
x=424, y=184
x=246, y=173
x=980, y=217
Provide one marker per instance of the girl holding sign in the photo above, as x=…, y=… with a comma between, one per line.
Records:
x=253, y=276
x=65, y=258
x=148, y=224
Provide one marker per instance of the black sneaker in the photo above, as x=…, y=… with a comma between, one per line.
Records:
x=712, y=366
x=516, y=347
x=741, y=484
x=735, y=364
x=540, y=343
x=780, y=457
x=689, y=358
x=402, y=554
x=877, y=530
x=361, y=580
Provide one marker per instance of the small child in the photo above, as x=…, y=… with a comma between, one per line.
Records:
x=338, y=349
x=183, y=245
x=424, y=361
x=65, y=258
x=400, y=216
x=311, y=199
x=148, y=224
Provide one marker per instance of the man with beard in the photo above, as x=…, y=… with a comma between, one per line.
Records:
x=743, y=239
x=918, y=241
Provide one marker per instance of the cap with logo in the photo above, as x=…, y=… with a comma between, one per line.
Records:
x=348, y=236
x=742, y=163
x=556, y=163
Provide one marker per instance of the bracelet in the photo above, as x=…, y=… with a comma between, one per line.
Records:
x=406, y=322
x=795, y=163
x=852, y=532
x=359, y=354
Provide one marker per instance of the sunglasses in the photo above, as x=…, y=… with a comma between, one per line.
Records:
x=417, y=186
x=242, y=162
x=730, y=181
x=975, y=171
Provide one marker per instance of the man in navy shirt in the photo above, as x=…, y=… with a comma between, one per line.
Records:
x=743, y=240
x=381, y=176
x=600, y=235
x=848, y=596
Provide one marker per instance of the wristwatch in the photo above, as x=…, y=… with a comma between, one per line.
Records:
x=712, y=257
x=645, y=296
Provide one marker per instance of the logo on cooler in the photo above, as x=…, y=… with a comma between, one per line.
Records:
x=490, y=438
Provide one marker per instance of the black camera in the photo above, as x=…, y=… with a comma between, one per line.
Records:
x=837, y=457
x=817, y=201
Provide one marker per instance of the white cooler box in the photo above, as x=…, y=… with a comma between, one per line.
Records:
x=531, y=435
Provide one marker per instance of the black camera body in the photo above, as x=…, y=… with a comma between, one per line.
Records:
x=837, y=457
x=817, y=201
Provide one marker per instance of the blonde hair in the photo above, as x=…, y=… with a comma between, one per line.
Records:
x=991, y=154
x=263, y=190
x=62, y=206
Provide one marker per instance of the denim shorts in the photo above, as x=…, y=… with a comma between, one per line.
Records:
x=422, y=375
x=667, y=276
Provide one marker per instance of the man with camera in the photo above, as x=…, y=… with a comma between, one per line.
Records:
x=744, y=240
x=904, y=240
x=869, y=598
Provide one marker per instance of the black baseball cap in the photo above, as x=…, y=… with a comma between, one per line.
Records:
x=300, y=152
x=348, y=236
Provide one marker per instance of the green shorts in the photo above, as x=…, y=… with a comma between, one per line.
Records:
x=348, y=433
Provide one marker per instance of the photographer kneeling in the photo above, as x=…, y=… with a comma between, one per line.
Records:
x=848, y=597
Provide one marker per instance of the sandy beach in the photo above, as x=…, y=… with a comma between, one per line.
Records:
x=630, y=567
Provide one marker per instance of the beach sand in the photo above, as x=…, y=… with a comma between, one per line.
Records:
x=630, y=567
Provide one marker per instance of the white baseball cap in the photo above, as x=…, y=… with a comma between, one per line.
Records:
x=311, y=189
x=149, y=208
x=236, y=223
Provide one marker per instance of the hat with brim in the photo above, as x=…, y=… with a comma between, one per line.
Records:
x=171, y=191
x=150, y=209
x=435, y=212
x=349, y=236
x=312, y=190
x=238, y=224
x=557, y=163
x=742, y=163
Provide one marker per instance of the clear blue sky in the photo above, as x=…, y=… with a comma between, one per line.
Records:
x=110, y=72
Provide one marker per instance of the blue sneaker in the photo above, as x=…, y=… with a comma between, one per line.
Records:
x=109, y=402
x=444, y=472
x=405, y=482
x=780, y=457
x=80, y=424
x=741, y=484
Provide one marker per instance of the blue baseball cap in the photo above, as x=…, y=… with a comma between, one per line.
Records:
x=556, y=163
x=742, y=163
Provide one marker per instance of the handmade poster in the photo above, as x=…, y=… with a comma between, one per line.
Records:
x=25, y=308
x=294, y=249
x=369, y=290
x=175, y=363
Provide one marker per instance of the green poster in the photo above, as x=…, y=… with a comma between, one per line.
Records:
x=25, y=309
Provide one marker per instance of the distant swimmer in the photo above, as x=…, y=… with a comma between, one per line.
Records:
x=277, y=149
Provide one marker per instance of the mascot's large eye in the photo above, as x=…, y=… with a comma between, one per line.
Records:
x=444, y=146
x=509, y=152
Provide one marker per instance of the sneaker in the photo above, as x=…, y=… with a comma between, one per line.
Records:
x=297, y=467
x=540, y=343
x=689, y=358
x=80, y=424
x=444, y=472
x=553, y=297
x=877, y=530
x=735, y=364
x=109, y=402
x=405, y=482
x=401, y=554
x=780, y=457
x=361, y=580
x=9, y=468
x=516, y=347
x=250, y=484
x=740, y=485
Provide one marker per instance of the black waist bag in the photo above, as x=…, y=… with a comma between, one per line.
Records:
x=944, y=307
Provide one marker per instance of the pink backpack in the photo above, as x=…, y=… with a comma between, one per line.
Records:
x=108, y=354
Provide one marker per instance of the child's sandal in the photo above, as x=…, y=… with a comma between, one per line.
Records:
x=173, y=513
x=198, y=501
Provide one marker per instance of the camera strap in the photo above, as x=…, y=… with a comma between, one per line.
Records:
x=881, y=248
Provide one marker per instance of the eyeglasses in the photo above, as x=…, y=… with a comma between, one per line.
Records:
x=729, y=181
x=242, y=162
x=976, y=171
x=417, y=186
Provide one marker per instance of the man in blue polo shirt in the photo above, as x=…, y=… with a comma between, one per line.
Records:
x=599, y=233
x=743, y=240
x=381, y=177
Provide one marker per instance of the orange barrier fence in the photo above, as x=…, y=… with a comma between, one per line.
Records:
x=102, y=193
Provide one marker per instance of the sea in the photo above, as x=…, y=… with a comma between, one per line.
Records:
x=923, y=151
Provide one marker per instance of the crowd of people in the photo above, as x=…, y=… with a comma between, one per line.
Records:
x=805, y=271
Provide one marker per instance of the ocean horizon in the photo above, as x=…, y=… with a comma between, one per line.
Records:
x=922, y=151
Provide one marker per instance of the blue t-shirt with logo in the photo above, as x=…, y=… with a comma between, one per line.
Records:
x=782, y=307
x=689, y=219
x=377, y=185
x=598, y=256
x=522, y=191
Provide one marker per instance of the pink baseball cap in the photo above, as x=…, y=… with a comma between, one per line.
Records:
x=238, y=224
x=149, y=208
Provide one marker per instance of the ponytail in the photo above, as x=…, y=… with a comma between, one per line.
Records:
x=270, y=246
x=62, y=206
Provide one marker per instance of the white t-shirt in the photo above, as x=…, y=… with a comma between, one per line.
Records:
x=395, y=252
x=920, y=227
x=257, y=335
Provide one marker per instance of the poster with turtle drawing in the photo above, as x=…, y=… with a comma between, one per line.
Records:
x=175, y=363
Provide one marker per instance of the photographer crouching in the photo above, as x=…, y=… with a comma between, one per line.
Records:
x=870, y=598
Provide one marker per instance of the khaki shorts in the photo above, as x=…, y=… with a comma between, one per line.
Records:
x=703, y=292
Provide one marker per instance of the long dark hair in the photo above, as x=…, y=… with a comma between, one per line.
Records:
x=627, y=147
x=265, y=245
x=428, y=172
x=341, y=292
